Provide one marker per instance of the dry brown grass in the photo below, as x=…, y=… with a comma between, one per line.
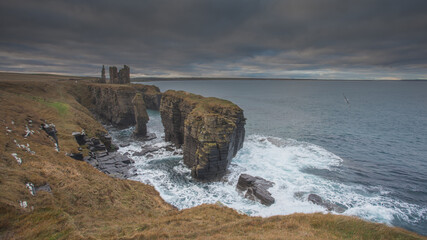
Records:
x=87, y=204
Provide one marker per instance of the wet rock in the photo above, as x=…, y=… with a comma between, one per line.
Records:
x=145, y=150
x=141, y=116
x=148, y=137
x=210, y=130
x=77, y=156
x=316, y=199
x=256, y=188
x=124, y=144
x=113, y=164
x=169, y=149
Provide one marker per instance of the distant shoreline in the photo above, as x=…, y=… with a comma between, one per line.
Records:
x=156, y=79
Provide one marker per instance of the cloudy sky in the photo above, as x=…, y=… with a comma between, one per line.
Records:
x=336, y=39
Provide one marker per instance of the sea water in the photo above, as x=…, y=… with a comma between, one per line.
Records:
x=361, y=145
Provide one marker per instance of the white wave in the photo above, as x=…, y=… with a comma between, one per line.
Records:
x=281, y=161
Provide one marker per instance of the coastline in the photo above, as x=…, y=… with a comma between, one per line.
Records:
x=130, y=208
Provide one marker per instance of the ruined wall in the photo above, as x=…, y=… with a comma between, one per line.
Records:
x=103, y=78
x=114, y=76
x=124, y=75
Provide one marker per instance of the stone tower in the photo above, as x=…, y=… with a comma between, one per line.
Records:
x=114, y=77
x=103, y=78
x=124, y=75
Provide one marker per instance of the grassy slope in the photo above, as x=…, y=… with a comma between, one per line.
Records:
x=87, y=204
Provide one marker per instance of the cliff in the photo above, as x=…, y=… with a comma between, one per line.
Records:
x=73, y=200
x=112, y=103
x=210, y=130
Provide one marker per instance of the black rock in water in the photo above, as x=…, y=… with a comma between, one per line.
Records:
x=256, y=188
x=316, y=199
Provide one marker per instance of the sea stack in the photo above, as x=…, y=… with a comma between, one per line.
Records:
x=210, y=131
x=141, y=116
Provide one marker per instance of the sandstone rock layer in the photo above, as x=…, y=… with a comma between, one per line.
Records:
x=141, y=116
x=210, y=130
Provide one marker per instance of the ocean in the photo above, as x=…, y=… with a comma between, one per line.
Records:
x=359, y=144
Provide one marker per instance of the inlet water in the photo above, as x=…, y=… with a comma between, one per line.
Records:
x=368, y=155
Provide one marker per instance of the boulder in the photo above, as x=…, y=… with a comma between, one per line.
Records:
x=255, y=188
x=50, y=129
x=80, y=137
x=141, y=116
x=210, y=130
x=77, y=156
x=145, y=150
x=330, y=206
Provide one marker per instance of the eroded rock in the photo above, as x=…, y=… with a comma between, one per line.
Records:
x=141, y=116
x=330, y=206
x=255, y=188
x=210, y=130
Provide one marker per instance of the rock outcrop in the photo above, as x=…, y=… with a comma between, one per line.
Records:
x=210, y=130
x=255, y=188
x=112, y=104
x=141, y=116
x=111, y=163
x=330, y=206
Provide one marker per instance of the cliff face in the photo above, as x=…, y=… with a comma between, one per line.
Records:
x=141, y=116
x=113, y=103
x=210, y=130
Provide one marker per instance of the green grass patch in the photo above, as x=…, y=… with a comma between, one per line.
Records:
x=61, y=107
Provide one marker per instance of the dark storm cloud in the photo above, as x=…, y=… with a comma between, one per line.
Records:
x=309, y=39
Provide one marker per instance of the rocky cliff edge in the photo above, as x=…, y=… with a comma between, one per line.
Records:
x=210, y=130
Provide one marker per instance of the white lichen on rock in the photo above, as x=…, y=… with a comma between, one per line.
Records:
x=31, y=187
x=18, y=159
x=28, y=132
x=23, y=204
x=24, y=147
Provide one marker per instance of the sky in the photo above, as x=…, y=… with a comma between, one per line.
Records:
x=314, y=39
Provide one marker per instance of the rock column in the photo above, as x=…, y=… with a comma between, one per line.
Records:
x=141, y=116
x=210, y=130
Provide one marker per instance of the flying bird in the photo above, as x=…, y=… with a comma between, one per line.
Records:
x=346, y=99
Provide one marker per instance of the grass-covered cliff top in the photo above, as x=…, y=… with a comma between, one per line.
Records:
x=147, y=89
x=204, y=104
x=87, y=204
